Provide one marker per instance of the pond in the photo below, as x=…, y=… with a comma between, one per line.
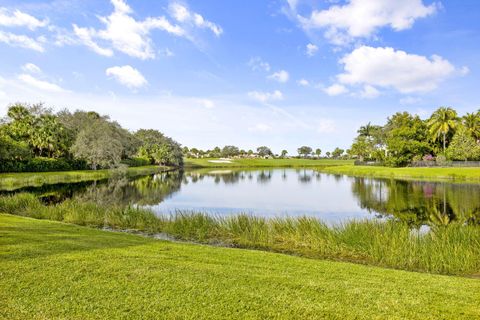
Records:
x=282, y=192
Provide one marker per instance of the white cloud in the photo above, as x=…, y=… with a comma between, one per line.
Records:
x=207, y=103
x=389, y=68
x=281, y=76
x=362, y=18
x=326, y=126
x=266, y=96
x=20, y=19
x=125, y=34
x=410, y=100
x=257, y=64
x=31, y=68
x=127, y=76
x=311, y=49
x=303, y=83
x=369, y=92
x=260, y=127
x=335, y=90
x=40, y=84
x=183, y=15
x=22, y=41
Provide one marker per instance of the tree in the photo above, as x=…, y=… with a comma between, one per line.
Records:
x=328, y=154
x=463, y=146
x=98, y=146
x=442, y=123
x=284, y=153
x=471, y=121
x=230, y=151
x=304, y=151
x=318, y=152
x=406, y=137
x=158, y=148
x=337, y=153
x=264, y=151
x=365, y=131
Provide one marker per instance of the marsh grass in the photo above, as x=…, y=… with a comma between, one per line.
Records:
x=453, y=249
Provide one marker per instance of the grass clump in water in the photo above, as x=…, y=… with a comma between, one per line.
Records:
x=453, y=249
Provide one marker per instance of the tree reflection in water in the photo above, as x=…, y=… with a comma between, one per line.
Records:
x=419, y=203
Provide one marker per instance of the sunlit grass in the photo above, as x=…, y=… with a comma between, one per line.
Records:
x=454, y=249
x=12, y=181
x=446, y=174
x=51, y=270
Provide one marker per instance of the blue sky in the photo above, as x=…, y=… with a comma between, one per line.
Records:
x=249, y=73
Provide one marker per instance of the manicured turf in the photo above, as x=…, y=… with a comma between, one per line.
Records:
x=272, y=163
x=446, y=174
x=11, y=181
x=50, y=270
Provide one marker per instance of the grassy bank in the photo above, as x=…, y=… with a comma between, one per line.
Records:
x=445, y=250
x=431, y=174
x=259, y=163
x=51, y=270
x=12, y=181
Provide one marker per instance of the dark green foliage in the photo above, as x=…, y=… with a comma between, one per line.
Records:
x=406, y=136
x=230, y=151
x=33, y=138
x=40, y=164
x=136, y=162
x=158, y=148
x=264, y=151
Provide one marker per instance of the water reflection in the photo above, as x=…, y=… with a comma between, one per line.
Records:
x=274, y=192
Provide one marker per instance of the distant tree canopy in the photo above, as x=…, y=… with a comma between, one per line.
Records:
x=406, y=137
x=264, y=151
x=35, y=132
x=304, y=151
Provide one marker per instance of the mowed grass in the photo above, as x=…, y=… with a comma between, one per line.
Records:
x=260, y=163
x=12, y=181
x=438, y=174
x=50, y=270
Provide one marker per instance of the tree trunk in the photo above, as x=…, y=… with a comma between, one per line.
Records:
x=444, y=141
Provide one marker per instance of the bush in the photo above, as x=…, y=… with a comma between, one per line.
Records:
x=136, y=162
x=41, y=164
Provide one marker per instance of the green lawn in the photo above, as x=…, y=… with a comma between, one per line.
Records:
x=444, y=174
x=278, y=163
x=50, y=270
x=12, y=181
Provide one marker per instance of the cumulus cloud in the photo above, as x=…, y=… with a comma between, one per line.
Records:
x=31, y=68
x=125, y=34
x=389, y=68
x=183, y=15
x=362, y=18
x=311, y=49
x=257, y=64
x=281, y=76
x=266, y=96
x=22, y=41
x=18, y=18
x=335, y=89
x=40, y=84
x=369, y=92
x=127, y=76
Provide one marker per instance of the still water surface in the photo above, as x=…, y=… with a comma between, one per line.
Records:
x=282, y=192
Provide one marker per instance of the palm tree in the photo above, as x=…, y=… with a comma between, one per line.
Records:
x=441, y=123
x=366, y=130
x=471, y=121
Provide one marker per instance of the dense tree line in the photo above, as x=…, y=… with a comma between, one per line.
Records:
x=261, y=152
x=34, y=138
x=406, y=138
